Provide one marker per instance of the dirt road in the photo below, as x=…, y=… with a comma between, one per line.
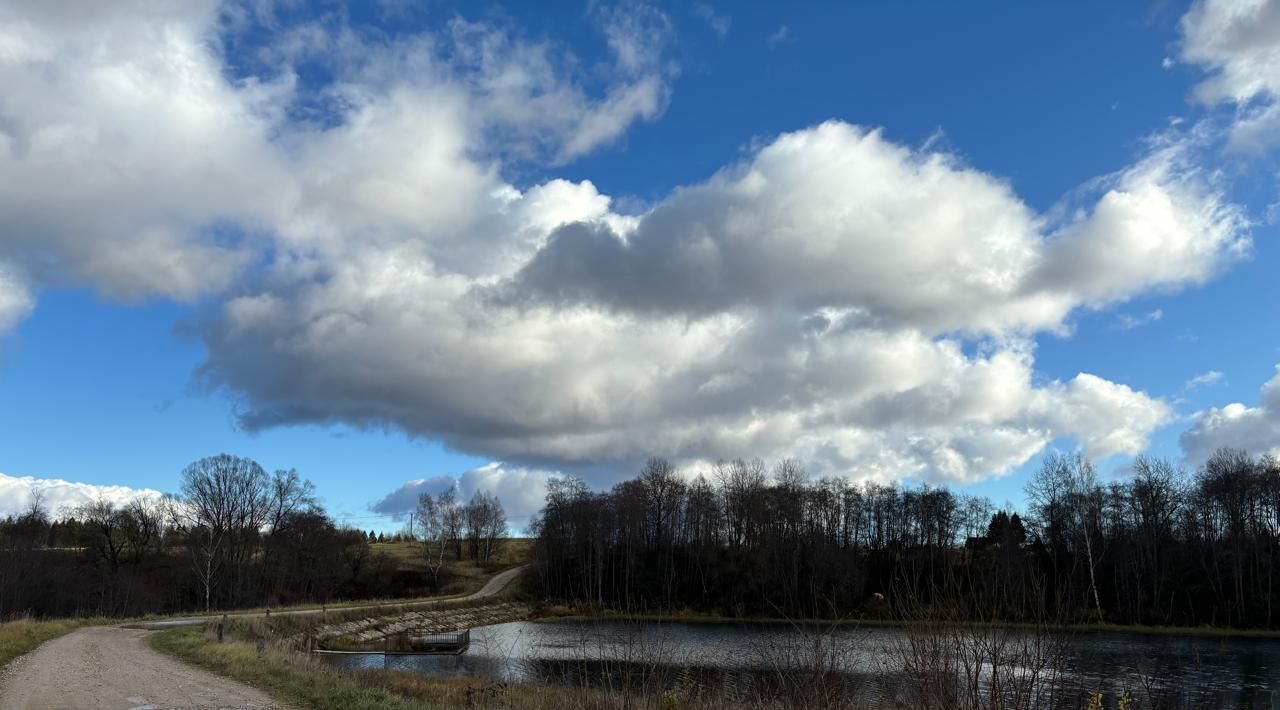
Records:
x=113, y=667
x=110, y=667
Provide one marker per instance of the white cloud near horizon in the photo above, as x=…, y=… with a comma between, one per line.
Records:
x=59, y=496
x=834, y=295
x=1237, y=426
x=521, y=490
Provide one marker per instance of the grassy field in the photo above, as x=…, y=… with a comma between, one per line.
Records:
x=466, y=577
x=305, y=682
x=22, y=635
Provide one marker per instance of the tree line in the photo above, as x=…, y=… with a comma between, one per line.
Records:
x=235, y=536
x=1158, y=546
x=442, y=525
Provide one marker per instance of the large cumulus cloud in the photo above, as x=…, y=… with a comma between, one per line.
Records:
x=838, y=296
x=122, y=149
x=838, y=217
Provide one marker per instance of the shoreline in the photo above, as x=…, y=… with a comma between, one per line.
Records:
x=1084, y=628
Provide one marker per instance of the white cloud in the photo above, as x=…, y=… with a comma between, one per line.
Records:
x=835, y=296
x=15, y=301
x=1238, y=42
x=1255, y=429
x=838, y=216
x=1126, y=321
x=718, y=22
x=778, y=36
x=132, y=162
x=1105, y=417
x=122, y=147
x=1162, y=223
x=59, y=496
x=521, y=490
x=1204, y=379
x=813, y=301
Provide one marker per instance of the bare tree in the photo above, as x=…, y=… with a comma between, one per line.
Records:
x=432, y=529
x=224, y=503
x=289, y=493
x=1088, y=508
x=495, y=525
x=143, y=526
x=485, y=523
x=109, y=524
x=454, y=518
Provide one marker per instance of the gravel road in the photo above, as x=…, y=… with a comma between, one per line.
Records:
x=110, y=667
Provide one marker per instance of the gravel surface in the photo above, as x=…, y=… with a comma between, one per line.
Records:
x=111, y=667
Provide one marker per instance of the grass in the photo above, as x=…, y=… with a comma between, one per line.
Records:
x=285, y=676
x=24, y=635
x=465, y=576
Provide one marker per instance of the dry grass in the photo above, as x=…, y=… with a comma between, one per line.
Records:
x=24, y=635
x=465, y=576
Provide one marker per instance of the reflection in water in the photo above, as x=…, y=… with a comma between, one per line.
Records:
x=743, y=660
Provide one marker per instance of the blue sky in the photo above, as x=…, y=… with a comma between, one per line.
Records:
x=388, y=245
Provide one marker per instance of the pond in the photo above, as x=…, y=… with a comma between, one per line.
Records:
x=868, y=663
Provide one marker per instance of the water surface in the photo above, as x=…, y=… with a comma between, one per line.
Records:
x=742, y=658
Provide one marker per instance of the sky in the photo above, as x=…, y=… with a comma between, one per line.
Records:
x=404, y=246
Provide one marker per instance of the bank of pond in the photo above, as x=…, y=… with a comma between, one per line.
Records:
x=867, y=665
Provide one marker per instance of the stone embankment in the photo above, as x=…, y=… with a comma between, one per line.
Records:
x=369, y=631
